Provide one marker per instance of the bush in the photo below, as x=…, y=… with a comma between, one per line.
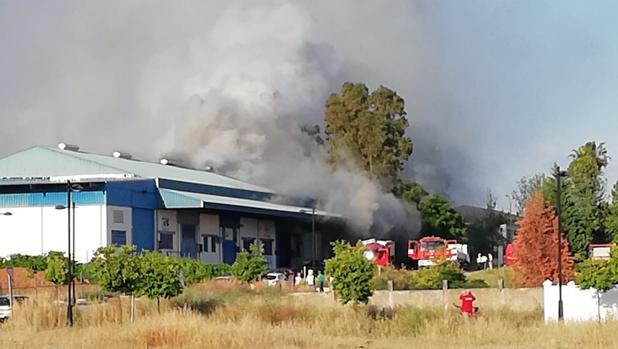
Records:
x=426, y=278
x=452, y=273
x=475, y=283
x=402, y=279
x=216, y=270
x=194, y=271
x=352, y=273
x=249, y=267
x=56, y=270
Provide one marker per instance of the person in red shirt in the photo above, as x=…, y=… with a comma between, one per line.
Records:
x=467, y=299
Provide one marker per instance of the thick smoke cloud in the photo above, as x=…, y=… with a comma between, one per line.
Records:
x=233, y=94
x=231, y=83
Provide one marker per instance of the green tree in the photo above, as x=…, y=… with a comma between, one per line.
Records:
x=410, y=192
x=117, y=270
x=611, y=215
x=437, y=214
x=440, y=219
x=56, y=271
x=158, y=277
x=353, y=274
x=369, y=129
x=526, y=188
x=250, y=267
x=584, y=195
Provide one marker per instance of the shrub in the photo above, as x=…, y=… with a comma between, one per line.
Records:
x=194, y=271
x=402, y=279
x=249, y=267
x=452, y=273
x=352, y=273
x=475, y=283
x=56, y=270
x=427, y=279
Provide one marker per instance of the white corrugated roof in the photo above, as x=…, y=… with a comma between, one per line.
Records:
x=48, y=162
x=177, y=199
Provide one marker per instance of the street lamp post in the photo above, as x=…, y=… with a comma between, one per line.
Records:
x=9, y=269
x=70, y=286
x=313, y=244
x=559, y=174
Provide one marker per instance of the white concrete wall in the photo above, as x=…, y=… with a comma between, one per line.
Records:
x=126, y=224
x=209, y=226
x=168, y=222
x=249, y=229
x=578, y=304
x=39, y=230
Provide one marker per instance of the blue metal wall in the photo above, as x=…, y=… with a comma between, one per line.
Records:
x=143, y=197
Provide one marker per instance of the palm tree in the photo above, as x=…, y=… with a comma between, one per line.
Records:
x=592, y=149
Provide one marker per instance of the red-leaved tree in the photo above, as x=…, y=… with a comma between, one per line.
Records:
x=536, y=244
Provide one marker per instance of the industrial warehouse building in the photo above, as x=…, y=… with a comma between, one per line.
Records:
x=179, y=211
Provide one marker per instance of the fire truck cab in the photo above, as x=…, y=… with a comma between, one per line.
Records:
x=431, y=249
x=381, y=252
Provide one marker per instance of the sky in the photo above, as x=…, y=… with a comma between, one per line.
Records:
x=494, y=90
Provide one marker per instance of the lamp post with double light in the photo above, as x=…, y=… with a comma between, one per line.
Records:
x=9, y=269
x=71, y=187
x=559, y=174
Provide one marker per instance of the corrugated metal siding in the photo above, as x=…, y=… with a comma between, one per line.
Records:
x=176, y=200
x=139, y=194
x=143, y=229
x=51, y=199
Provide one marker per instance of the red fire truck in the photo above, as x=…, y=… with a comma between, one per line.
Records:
x=510, y=253
x=430, y=249
x=381, y=252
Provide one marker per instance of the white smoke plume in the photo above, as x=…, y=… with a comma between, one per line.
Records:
x=241, y=94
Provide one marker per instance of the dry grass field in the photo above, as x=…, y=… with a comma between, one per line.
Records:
x=229, y=316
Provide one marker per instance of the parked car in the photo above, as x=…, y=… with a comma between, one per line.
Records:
x=5, y=308
x=272, y=279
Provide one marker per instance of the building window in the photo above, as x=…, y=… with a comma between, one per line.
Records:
x=119, y=237
x=166, y=240
x=268, y=246
x=246, y=243
x=210, y=243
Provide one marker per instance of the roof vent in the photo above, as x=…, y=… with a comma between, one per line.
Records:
x=121, y=155
x=165, y=161
x=209, y=168
x=65, y=146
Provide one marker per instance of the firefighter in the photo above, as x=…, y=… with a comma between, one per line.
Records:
x=467, y=303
